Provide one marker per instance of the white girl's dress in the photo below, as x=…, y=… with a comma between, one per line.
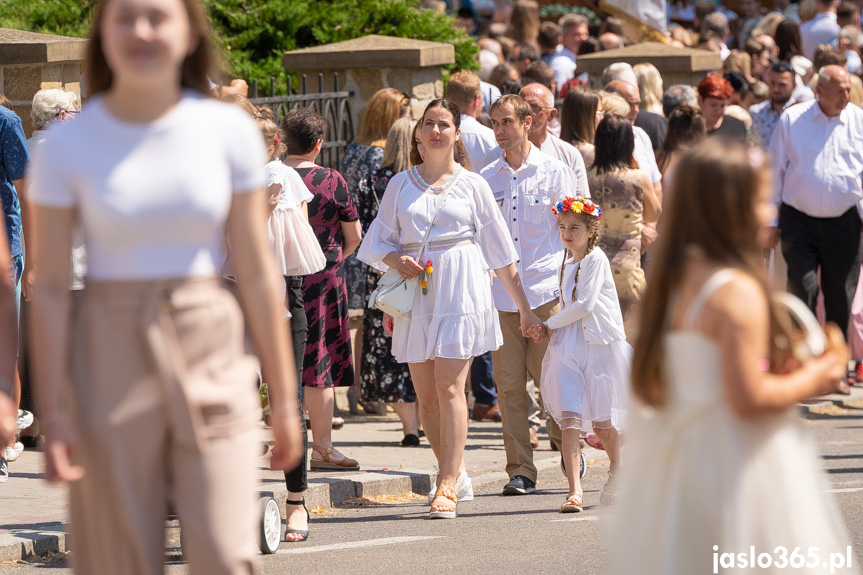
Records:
x=292, y=239
x=698, y=475
x=457, y=318
x=585, y=372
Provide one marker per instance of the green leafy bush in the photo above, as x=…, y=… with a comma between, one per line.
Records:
x=253, y=34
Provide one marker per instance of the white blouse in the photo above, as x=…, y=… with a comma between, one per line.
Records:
x=470, y=211
x=595, y=303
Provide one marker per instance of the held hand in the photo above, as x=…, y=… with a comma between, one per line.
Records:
x=409, y=268
x=388, y=324
x=59, y=450
x=530, y=324
x=287, y=431
x=540, y=333
x=648, y=238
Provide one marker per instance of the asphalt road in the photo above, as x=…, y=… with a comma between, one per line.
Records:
x=496, y=534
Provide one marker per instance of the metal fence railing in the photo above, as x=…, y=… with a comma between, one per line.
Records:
x=333, y=106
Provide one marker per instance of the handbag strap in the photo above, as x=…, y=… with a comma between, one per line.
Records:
x=437, y=210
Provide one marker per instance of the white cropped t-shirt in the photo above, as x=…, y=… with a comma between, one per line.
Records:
x=152, y=199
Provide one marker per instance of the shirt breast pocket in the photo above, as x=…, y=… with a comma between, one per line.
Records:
x=536, y=207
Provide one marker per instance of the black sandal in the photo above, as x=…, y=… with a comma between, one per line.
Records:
x=303, y=532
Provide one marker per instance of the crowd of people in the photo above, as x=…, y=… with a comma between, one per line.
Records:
x=525, y=206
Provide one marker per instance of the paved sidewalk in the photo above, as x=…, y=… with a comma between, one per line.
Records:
x=33, y=512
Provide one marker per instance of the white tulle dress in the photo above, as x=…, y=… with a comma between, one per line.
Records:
x=292, y=239
x=456, y=318
x=585, y=372
x=697, y=475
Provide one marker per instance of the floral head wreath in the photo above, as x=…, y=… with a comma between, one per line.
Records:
x=577, y=205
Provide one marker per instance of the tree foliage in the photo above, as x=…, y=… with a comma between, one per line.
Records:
x=253, y=34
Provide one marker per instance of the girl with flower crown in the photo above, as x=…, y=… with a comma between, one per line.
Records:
x=585, y=372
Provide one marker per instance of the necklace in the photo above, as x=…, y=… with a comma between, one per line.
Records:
x=435, y=189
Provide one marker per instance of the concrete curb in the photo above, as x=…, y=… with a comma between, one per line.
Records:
x=32, y=541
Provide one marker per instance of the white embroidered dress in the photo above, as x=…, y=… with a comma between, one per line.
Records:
x=456, y=318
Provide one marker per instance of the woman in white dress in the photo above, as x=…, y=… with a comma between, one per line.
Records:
x=455, y=319
x=718, y=461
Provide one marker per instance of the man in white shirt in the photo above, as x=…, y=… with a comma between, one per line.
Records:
x=818, y=163
x=526, y=183
x=542, y=105
x=464, y=89
x=823, y=29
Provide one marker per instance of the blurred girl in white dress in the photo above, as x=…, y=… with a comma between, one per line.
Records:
x=718, y=462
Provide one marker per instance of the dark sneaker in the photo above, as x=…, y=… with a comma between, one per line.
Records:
x=519, y=485
x=4, y=470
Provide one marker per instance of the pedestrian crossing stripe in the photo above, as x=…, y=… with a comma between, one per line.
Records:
x=355, y=544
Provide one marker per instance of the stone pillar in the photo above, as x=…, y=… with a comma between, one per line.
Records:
x=367, y=64
x=30, y=62
x=676, y=65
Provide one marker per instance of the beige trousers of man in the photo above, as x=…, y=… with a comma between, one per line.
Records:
x=162, y=398
x=516, y=358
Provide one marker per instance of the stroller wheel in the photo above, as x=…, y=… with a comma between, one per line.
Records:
x=271, y=525
x=582, y=465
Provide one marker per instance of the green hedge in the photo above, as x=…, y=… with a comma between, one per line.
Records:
x=253, y=34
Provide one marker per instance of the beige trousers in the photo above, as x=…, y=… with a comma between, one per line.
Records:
x=162, y=397
x=516, y=358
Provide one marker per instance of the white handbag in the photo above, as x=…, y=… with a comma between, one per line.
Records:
x=395, y=294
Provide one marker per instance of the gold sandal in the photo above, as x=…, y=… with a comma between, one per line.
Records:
x=325, y=464
x=573, y=504
x=444, y=505
x=609, y=493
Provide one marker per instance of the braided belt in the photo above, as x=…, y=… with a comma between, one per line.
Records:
x=437, y=245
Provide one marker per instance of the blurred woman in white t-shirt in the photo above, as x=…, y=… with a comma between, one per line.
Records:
x=147, y=392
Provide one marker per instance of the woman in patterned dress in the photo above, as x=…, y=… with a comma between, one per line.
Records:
x=328, y=361
x=630, y=211
x=382, y=378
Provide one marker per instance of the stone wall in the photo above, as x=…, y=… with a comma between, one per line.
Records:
x=367, y=64
x=30, y=62
x=676, y=65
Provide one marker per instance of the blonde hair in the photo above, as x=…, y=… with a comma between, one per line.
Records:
x=384, y=108
x=242, y=102
x=47, y=104
x=614, y=104
x=398, y=149
x=738, y=61
x=856, y=90
x=273, y=135
x=649, y=85
x=463, y=87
